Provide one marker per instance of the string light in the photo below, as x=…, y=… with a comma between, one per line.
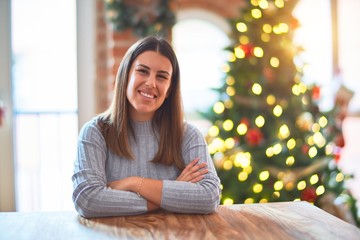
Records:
x=277, y=148
x=265, y=37
x=225, y=68
x=243, y=39
x=257, y=188
x=296, y=90
x=270, y=99
x=291, y=143
x=267, y=28
x=242, y=159
x=228, y=103
x=230, y=91
x=290, y=161
x=302, y=87
x=213, y=131
x=264, y=175
x=329, y=149
x=242, y=176
x=249, y=201
x=248, y=169
x=319, y=140
x=219, y=107
x=277, y=110
x=258, y=52
x=314, y=179
x=239, y=52
x=278, y=185
x=283, y=27
x=339, y=177
x=218, y=143
x=301, y=185
x=276, y=29
x=227, y=165
x=255, y=3
x=323, y=121
x=228, y=201
x=279, y=3
x=229, y=143
x=284, y=132
x=320, y=190
x=263, y=4
x=228, y=125
x=274, y=62
x=241, y=27
x=256, y=13
x=312, y=152
x=269, y=152
x=231, y=57
x=315, y=127
x=276, y=194
x=256, y=89
x=230, y=80
x=242, y=129
x=260, y=121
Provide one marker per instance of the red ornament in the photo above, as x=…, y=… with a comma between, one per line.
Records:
x=337, y=154
x=254, y=137
x=316, y=93
x=339, y=140
x=305, y=149
x=294, y=23
x=309, y=194
x=248, y=49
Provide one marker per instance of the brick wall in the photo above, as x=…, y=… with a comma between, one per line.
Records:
x=111, y=46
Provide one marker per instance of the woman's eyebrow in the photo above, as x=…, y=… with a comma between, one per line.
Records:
x=165, y=72
x=142, y=65
x=161, y=71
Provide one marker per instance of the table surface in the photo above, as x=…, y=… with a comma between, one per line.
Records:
x=282, y=220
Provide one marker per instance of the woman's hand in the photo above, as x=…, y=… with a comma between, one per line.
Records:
x=193, y=172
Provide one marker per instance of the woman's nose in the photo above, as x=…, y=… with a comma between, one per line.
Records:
x=151, y=81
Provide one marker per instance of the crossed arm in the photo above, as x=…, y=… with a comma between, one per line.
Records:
x=151, y=189
x=93, y=196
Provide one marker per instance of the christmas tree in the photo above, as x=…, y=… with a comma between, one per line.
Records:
x=269, y=140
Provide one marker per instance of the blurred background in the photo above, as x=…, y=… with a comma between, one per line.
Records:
x=58, y=61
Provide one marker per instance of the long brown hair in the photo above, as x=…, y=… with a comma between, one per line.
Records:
x=115, y=123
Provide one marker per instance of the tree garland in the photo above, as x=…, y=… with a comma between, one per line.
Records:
x=145, y=17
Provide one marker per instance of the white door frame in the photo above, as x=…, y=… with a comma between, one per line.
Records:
x=7, y=182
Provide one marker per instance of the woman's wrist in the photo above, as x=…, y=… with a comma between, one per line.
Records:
x=138, y=189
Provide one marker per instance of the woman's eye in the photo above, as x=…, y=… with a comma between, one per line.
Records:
x=142, y=71
x=162, y=77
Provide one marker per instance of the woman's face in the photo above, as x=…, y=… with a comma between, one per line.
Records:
x=148, y=84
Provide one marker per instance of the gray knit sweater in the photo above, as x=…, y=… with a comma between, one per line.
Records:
x=96, y=165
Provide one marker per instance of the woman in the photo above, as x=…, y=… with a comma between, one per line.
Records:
x=140, y=155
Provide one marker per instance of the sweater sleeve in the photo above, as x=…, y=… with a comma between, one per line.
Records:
x=91, y=196
x=186, y=197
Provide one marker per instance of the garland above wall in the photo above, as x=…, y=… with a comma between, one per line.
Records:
x=145, y=17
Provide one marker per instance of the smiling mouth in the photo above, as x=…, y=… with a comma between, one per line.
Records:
x=147, y=95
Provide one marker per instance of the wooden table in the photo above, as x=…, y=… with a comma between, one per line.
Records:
x=286, y=220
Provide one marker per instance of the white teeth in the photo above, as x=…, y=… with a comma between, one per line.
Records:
x=147, y=95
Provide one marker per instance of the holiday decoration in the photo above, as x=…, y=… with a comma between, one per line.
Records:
x=144, y=17
x=269, y=139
